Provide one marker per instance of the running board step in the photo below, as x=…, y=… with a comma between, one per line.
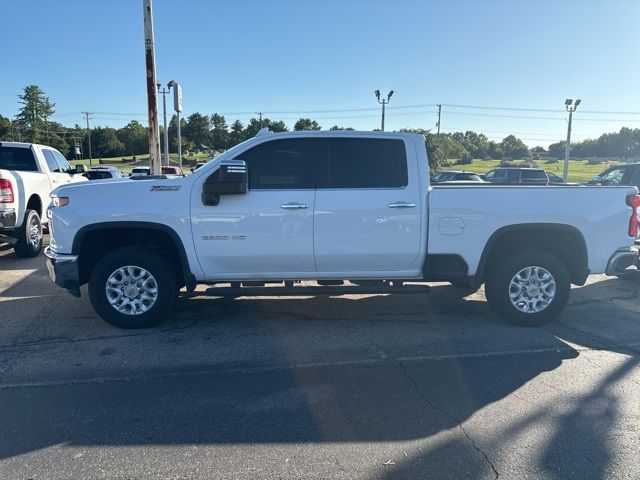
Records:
x=311, y=291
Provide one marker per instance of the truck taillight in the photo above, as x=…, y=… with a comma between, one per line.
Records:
x=634, y=202
x=6, y=191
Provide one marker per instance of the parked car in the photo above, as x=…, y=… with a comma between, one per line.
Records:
x=103, y=173
x=455, y=176
x=166, y=170
x=172, y=170
x=553, y=178
x=331, y=206
x=628, y=174
x=512, y=175
x=136, y=171
x=28, y=174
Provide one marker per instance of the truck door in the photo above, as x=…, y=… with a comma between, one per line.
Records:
x=269, y=229
x=368, y=207
x=56, y=174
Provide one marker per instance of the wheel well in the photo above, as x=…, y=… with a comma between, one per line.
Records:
x=35, y=203
x=565, y=243
x=96, y=243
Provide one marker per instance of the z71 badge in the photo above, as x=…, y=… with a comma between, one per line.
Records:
x=164, y=188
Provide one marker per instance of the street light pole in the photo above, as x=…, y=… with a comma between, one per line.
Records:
x=165, y=157
x=383, y=102
x=571, y=106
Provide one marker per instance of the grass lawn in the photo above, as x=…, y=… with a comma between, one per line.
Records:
x=579, y=170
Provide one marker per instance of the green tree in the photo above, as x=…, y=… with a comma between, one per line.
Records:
x=306, y=124
x=33, y=115
x=513, y=147
x=5, y=128
x=236, y=135
x=105, y=143
x=336, y=127
x=434, y=146
x=219, y=132
x=134, y=138
x=197, y=129
x=254, y=126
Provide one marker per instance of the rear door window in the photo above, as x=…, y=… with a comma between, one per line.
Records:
x=365, y=163
x=17, y=158
x=534, y=176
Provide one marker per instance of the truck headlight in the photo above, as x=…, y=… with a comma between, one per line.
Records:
x=57, y=201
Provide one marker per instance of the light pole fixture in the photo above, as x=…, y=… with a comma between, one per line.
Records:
x=165, y=157
x=383, y=102
x=571, y=107
x=177, y=106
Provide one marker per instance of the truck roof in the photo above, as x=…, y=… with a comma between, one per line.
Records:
x=338, y=133
x=22, y=145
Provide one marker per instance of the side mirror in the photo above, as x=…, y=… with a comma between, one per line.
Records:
x=80, y=168
x=231, y=178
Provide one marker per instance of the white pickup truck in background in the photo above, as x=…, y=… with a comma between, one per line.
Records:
x=28, y=174
x=350, y=211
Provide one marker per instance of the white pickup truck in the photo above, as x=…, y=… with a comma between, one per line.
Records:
x=28, y=174
x=344, y=211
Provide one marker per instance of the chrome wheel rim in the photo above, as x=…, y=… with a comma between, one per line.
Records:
x=532, y=289
x=131, y=290
x=35, y=232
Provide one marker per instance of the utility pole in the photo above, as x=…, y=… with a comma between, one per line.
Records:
x=439, y=113
x=165, y=157
x=152, y=101
x=86, y=115
x=383, y=102
x=260, y=115
x=567, y=147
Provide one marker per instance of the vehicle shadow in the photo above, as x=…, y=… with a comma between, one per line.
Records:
x=415, y=366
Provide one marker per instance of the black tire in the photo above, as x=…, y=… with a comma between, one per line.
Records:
x=26, y=245
x=498, y=283
x=162, y=276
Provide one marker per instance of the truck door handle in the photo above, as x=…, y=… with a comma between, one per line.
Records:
x=294, y=206
x=402, y=205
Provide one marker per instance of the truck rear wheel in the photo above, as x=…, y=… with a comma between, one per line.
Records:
x=132, y=287
x=528, y=289
x=29, y=235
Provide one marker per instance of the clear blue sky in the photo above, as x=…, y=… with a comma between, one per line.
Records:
x=305, y=56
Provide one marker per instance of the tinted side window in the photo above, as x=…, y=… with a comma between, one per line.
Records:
x=613, y=176
x=16, y=158
x=534, y=175
x=366, y=163
x=512, y=175
x=51, y=161
x=64, y=165
x=496, y=175
x=283, y=164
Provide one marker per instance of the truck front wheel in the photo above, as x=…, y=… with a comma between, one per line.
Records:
x=528, y=289
x=132, y=287
x=29, y=235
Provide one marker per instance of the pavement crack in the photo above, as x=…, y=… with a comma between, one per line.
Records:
x=458, y=423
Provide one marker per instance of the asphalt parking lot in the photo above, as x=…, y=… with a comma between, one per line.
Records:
x=424, y=386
